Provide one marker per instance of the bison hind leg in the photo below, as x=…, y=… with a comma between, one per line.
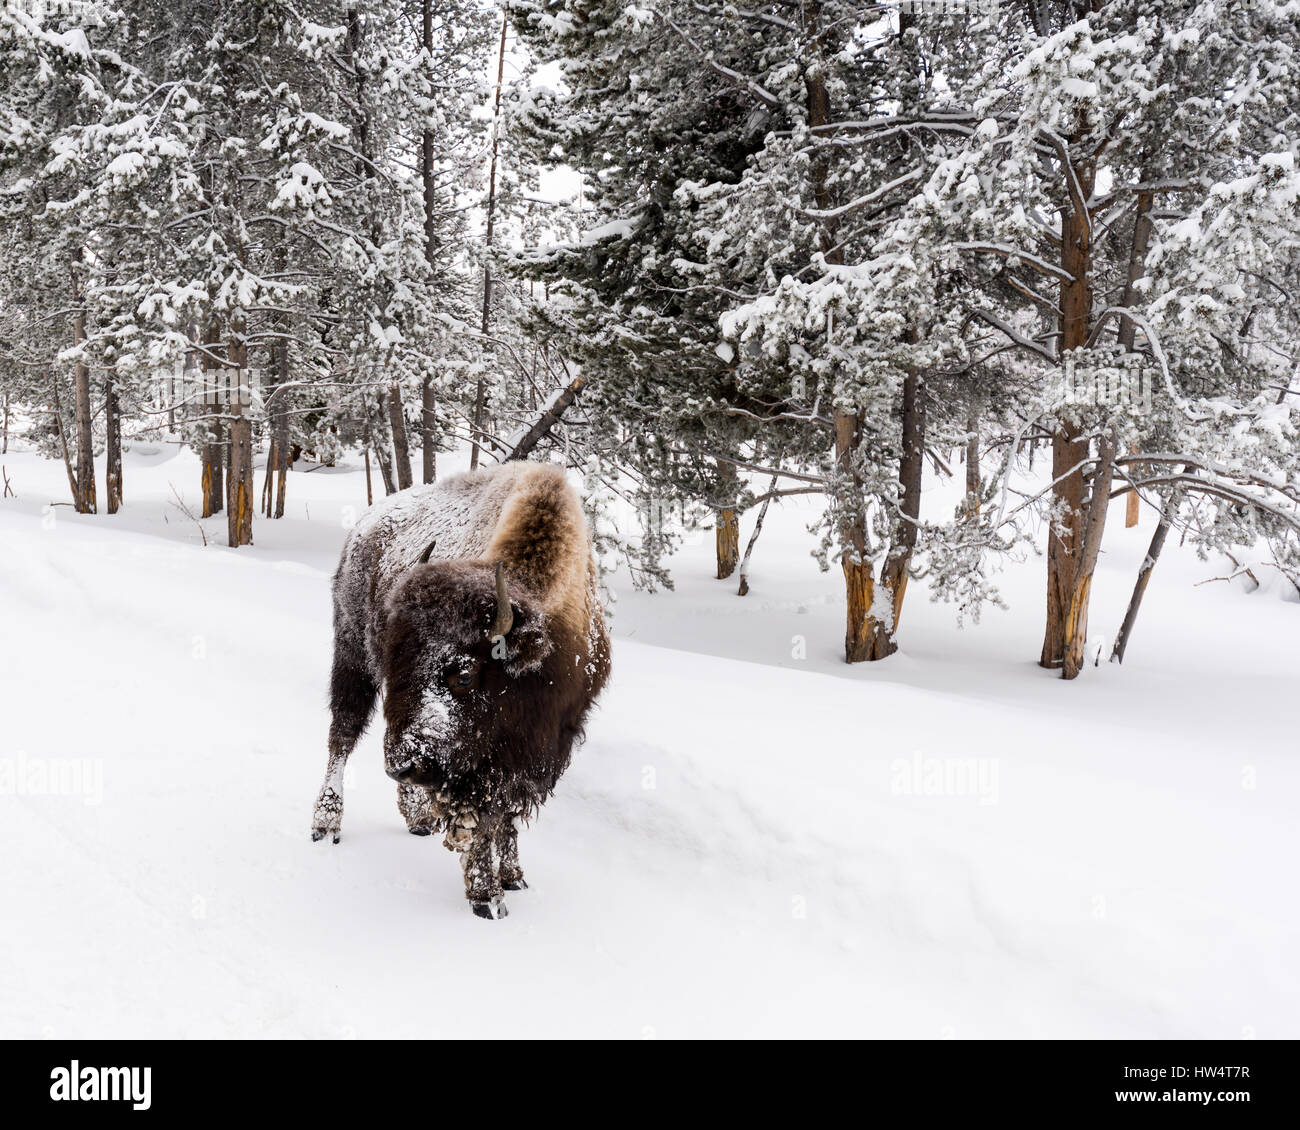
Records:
x=352, y=698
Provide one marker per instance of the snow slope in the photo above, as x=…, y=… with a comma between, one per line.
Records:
x=950, y=843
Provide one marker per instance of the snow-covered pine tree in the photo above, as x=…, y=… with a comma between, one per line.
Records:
x=851, y=305
x=52, y=88
x=1106, y=131
x=641, y=115
x=238, y=185
x=750, y=210
x=453, y=40
x=398, y=289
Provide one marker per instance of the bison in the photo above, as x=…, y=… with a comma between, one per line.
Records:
x=472, y=606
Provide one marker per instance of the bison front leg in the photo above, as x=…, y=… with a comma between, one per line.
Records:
x=482, y=884
x=507, y=847
x=352, y=698
x=421, y=810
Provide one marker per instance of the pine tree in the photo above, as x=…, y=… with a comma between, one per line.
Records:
x=1085, y=174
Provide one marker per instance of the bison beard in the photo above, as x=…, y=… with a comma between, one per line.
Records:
x=471, y=604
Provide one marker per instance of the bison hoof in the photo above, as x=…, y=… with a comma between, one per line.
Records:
x=494, y=909
x=421, y=830
x=318, y=834
x=514, y=884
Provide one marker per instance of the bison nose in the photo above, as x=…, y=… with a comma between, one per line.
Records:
x=414, y=771
x=402, y=760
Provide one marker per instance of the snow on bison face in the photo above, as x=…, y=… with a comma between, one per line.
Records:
x=469, y=697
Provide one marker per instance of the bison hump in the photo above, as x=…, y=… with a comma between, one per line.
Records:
x=541, y=536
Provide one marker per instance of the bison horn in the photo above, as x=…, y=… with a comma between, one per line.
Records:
x=505, y=614
x=424, y=557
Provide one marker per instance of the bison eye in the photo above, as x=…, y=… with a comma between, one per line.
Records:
x=462, y=678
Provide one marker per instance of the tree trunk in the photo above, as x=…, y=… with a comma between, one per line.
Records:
x=1137, y=260
x=428, y=432
x=240, y=484
x=275, y=483
x=1068, y=585
x=63, y=436
x=401, y=448
x=480, y=392
x=1076, y=613
x=113, y=454
x=84, y=495
x=281, y=442
x=1140, y=587
x=1132, y=508
x=973, y=461
x=1063, y=540
x=214, y=450
x=4, y=450
x=480, y=409
x=266, y=478
x=370, y=494
x=890, y=589
x=859, y=580
x=726, y=526
x=378, y=443
x=428, y=401
x=214, y=467
x=743, y=590
x=1144, y=575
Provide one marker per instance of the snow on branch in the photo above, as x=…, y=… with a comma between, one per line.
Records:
x=862, y=201
x=763, y=95
x=1006, y=251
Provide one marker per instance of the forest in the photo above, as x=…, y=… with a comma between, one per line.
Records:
x=708, y=255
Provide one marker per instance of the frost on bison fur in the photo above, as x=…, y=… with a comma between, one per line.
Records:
x=471, y=604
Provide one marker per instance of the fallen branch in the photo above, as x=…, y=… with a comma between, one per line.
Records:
x=556, y=408
x=753, y=539
x=1244, y=571
x=1147, y=568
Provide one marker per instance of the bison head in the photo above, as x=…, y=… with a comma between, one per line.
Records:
x=465, y=681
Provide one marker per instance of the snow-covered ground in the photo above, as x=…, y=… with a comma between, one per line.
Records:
x=756, y=840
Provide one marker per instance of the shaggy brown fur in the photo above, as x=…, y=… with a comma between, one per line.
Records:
x=477, y=731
